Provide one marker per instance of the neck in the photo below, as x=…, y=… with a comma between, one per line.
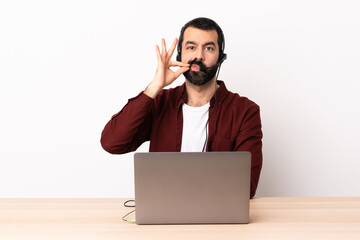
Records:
x=198, y=96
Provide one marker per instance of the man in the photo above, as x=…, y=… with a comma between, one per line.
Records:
x=200, y=115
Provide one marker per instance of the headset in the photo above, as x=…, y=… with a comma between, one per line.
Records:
x=222, y=55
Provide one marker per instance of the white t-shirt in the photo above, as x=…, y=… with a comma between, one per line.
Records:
x=194, y=127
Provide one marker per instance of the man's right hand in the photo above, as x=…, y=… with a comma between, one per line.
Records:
x=164, y=76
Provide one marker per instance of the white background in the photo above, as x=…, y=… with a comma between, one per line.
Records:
x=67, y=66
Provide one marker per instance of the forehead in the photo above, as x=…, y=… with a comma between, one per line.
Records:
x=200, y=36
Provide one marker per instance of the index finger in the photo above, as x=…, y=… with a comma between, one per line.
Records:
x=179, y=64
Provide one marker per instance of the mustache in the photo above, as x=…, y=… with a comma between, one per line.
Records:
x=200, y=63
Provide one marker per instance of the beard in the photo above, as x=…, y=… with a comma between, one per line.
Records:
x=204, y=75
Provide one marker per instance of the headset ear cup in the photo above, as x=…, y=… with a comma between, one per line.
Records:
x=223, y=58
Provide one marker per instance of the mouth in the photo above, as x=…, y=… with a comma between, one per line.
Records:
x=195, y=67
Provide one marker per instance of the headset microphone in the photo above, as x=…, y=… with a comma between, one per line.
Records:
x=223, y=58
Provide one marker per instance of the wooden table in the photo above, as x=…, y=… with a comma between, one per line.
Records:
x=271, y=218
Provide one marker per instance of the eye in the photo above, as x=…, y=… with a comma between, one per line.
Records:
x=209, y=48
x=190, y=47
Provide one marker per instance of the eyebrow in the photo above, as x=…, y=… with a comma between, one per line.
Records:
x=206, y=44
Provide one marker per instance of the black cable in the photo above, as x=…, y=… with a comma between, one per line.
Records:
x=127, y=205
x=126, y=202
x=207, y=122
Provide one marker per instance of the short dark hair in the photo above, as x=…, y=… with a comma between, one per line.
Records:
x=203, y=24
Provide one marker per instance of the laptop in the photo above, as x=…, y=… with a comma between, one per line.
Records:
x=192, y=187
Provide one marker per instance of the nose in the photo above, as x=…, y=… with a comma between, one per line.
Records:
x=199, y=54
